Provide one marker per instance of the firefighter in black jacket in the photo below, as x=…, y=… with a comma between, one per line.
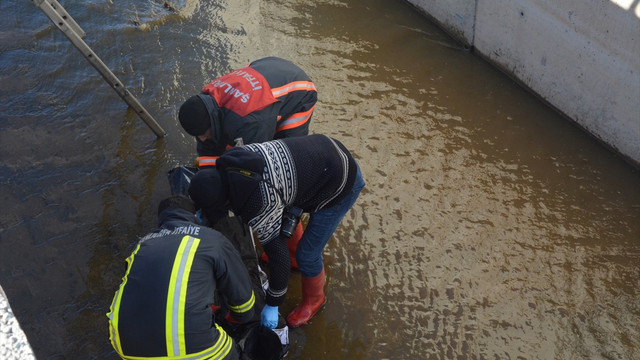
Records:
x=271, y=98
x=162, y=309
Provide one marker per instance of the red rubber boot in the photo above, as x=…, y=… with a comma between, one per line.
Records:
x=312, y=300
x=292, y=244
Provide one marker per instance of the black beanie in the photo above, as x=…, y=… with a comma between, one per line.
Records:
x=209, y=189
x=194, y=117
x=176, y=202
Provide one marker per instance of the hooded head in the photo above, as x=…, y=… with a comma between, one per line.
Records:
x=175, y=202
x=209, y=190
x=194, y=117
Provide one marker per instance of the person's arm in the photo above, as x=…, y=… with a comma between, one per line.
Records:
x=208, y=153
x=234, y=283
x=209, y=148
x=279, y=270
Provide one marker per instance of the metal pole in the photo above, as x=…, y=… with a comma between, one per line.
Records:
x=61, y=19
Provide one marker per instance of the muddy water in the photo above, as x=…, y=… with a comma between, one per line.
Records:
x=490, y=227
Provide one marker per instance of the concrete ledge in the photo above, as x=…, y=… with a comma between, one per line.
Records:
x=456, y=17
x=581, y=57
x=13, y=342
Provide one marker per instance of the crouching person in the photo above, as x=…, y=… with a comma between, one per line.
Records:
x=162, y=309
x=270, y=185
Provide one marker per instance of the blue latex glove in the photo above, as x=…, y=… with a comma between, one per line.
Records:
x=269, y=316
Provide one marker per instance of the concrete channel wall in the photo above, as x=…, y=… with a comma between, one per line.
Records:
x=13, y=342
x=580, y=56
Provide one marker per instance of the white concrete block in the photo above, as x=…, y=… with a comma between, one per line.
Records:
x=13, y=342
x=582, y=57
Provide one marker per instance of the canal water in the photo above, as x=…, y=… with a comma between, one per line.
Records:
x=490, y=228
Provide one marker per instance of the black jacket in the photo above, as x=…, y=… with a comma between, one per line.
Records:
x=166, y=295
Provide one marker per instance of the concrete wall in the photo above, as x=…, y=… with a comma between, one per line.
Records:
x=13, y=342
x=457, y=17
x=580, y=56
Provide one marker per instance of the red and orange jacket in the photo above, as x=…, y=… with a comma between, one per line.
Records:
x=271, y=98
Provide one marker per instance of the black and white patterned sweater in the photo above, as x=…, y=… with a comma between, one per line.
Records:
x=310, y=172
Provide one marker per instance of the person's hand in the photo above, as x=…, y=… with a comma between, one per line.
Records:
x=269, y=316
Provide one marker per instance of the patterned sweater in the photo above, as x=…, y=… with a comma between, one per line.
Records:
x=311, y=172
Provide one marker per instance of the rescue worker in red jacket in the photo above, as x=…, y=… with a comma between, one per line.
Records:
x=162, y=309
x=271, y=98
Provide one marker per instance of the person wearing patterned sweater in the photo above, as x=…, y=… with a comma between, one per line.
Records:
x=268, y=183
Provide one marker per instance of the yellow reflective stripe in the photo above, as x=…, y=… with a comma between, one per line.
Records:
x=177, y=294
x=222, y=347
x=244, y=307
x=218, y=351
x=114, y=309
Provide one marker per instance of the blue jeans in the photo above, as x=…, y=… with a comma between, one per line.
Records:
x=320, y=228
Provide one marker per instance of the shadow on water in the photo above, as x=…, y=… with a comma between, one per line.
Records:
x=490, y=226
